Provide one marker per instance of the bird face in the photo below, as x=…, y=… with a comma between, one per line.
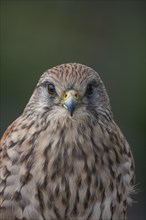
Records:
x=74, y=90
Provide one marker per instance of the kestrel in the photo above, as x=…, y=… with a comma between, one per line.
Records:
x=65, y=158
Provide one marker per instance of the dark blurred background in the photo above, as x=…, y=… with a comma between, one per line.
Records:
x=108, y=36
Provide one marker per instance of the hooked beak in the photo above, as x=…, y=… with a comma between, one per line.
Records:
x=71, y=98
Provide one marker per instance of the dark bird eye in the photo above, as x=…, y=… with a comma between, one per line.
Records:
x=89, y=90
x=51, y=89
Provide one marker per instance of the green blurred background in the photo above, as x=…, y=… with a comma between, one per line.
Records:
x=109, y=36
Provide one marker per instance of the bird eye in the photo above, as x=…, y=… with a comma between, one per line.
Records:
x=51, y=89
x=89, y=90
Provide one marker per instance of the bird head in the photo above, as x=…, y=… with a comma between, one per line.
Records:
x=69, y=90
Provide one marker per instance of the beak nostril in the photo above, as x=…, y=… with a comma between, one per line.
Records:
x=76, y=95
x=70, y=93
x=65, y=95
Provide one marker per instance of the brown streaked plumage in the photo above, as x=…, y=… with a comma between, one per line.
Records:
x=65, y=158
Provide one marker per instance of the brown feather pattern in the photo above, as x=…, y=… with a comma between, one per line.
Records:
x=58, y=167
